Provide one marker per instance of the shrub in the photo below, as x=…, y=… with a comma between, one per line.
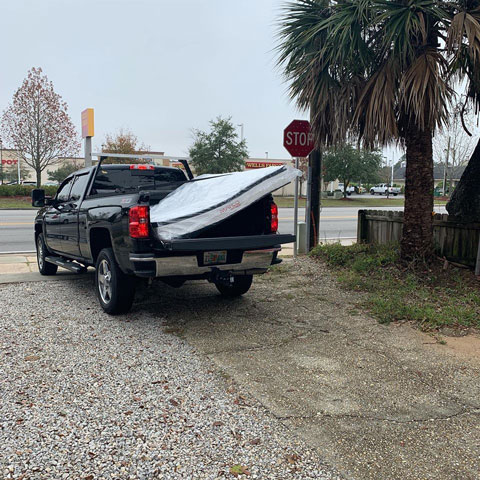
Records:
x=24, y=190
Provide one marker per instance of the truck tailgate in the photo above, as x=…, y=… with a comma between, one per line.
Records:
x=250, y=242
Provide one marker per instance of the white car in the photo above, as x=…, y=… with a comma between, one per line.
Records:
x=385, y=189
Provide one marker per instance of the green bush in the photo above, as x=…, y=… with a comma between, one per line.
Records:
x=24, y=190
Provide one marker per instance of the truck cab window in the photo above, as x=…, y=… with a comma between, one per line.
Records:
x=79, y=186
x=64, y=191
x=110, y=180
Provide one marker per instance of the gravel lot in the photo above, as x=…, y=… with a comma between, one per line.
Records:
x=88, y=396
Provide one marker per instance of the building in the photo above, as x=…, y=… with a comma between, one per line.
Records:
x=453, y=175
x=15, y=169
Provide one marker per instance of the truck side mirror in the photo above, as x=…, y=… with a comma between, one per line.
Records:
x=38, y=197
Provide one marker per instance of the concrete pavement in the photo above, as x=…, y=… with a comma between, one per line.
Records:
x=377, y=401
x=23, y=267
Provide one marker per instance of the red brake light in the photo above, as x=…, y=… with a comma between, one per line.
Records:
x=138, y=221
x=274, y=218
x=141, y=166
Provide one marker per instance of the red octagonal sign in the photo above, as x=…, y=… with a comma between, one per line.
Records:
x=298, y=139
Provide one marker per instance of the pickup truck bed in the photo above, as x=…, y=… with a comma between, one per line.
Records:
x=100, y=217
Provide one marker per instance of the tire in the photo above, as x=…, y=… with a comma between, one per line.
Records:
x=115, y=290
x=241, y=284
x=44, y=267
x=372, y=192
x=395, y=194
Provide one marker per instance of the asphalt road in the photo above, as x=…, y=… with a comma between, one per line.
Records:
x=16, y=226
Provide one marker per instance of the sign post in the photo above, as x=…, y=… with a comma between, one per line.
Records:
x=295, y=213
x=298, y=140
x=87, y=134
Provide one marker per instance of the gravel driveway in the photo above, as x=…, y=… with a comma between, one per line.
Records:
x=88, y=396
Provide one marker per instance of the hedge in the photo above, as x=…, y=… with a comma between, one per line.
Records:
x=24, y=190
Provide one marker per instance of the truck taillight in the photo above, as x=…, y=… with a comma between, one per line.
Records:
x=274, y=218
x=138, y=221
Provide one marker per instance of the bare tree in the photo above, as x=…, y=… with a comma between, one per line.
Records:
x=37, y=124
x=123, y=141
x=453, y=146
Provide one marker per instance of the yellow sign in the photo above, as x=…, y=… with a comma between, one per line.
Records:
x=87, y=123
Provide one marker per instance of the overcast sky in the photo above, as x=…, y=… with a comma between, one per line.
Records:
x=156, y=67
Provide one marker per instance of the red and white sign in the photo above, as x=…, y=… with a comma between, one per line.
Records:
x=262, y=164
x=9, y=162
x=298, y=139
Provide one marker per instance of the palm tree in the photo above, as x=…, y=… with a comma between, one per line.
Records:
x=384, y=72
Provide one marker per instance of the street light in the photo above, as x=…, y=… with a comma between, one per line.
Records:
x=241, y=125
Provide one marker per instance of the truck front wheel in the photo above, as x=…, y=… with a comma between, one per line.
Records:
x=115, y=290
x=241, y=284
x=44, y=267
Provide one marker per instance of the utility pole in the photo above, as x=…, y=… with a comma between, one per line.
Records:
x=445, y=169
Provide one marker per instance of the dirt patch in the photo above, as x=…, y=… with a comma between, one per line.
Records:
x=466, y=347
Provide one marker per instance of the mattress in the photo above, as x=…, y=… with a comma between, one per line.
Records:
x=209, y=199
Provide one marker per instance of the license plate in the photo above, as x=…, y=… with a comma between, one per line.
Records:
x=212, y=258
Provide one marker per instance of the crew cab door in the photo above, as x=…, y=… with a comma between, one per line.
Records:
x=53, y=221
x=69, y=215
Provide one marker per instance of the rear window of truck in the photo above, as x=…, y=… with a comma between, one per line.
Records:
x=117, y=180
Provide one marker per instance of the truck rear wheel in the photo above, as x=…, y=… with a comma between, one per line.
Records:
x=115, y=290
x=44, y=267
x=241, y=284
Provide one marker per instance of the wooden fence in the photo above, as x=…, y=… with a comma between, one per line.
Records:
x=456, y=241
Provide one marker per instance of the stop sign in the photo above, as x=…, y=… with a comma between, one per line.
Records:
x=298, y=139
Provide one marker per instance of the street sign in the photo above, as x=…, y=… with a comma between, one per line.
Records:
x=87, y=123
x=298, y=139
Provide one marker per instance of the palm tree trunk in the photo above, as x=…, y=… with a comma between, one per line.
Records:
x=417, y=238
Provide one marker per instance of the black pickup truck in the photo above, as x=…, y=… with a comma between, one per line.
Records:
x=100, y=217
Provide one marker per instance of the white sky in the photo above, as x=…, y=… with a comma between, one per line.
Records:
x=156, y=67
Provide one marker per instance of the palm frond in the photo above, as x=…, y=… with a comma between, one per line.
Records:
x=425, y=95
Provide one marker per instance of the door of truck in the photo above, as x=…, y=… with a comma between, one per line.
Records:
x=53, y=217
x=70, y=215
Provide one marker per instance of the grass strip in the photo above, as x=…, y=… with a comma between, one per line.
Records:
x=364, y=201
x=16, y=202
x=427, y=295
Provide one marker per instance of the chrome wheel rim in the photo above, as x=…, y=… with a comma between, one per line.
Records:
x=104, y=277
x=40, y=253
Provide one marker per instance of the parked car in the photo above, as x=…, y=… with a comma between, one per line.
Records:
x=350, y=188
x=385, y=189
x=101, y=218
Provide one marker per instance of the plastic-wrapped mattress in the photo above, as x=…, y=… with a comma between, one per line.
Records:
x=210, y=199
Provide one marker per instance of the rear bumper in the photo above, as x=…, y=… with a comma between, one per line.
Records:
x=253, y=262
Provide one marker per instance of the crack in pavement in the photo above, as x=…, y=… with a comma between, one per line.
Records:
x=474, y=411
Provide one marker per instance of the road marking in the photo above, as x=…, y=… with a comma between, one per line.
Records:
x=8, y=224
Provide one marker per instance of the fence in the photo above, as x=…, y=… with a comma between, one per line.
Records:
x=456, y=241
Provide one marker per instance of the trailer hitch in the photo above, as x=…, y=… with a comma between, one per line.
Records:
x=221, y=276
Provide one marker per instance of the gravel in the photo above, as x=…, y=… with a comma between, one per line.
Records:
x=89, y=396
